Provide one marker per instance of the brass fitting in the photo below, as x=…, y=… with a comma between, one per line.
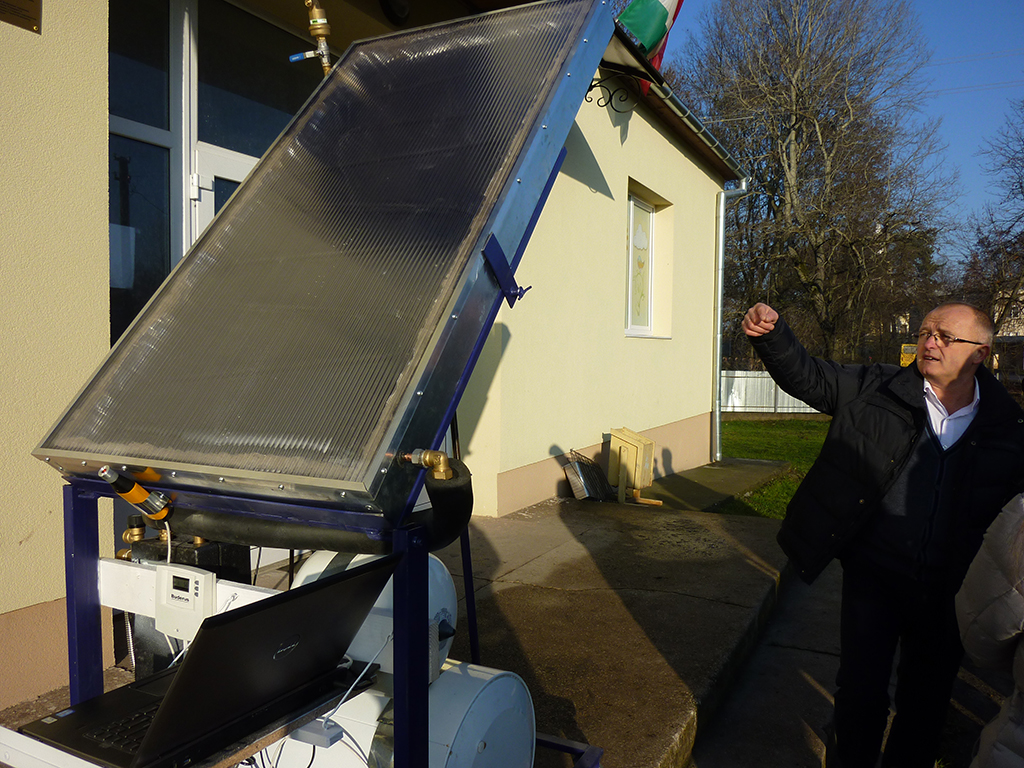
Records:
x=132, y=534
x=436, y=461
x=318, y=26
x=319, y=29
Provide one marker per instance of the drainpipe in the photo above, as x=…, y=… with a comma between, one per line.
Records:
x=716, y=377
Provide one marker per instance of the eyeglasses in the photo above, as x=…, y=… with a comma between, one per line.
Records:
x=944, y=339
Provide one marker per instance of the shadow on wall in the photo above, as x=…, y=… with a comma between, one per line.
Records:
x=582, y=165
x=474, y=399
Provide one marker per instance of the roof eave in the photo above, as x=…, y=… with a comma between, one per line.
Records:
x=624, y=56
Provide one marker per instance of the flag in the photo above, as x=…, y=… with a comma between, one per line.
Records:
x=649, y=22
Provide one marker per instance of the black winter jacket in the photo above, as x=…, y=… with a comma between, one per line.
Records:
x=878, y=413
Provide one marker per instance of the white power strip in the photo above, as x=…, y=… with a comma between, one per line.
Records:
x=184, y=597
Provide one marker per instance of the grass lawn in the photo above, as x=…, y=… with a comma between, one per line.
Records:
x=794, y=440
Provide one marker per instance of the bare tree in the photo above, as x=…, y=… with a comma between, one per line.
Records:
x=993, y=273
x=819, y=97
x=1005, y=153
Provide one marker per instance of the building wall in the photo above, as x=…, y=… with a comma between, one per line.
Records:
x=53, y=272
x=558, y=371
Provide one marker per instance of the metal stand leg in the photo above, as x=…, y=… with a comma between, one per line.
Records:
x=81, y=572
x=584, y=755
x=412, y=673
x=467, y=560
x=467, y=575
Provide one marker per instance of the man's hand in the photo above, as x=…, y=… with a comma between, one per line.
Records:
x=759, y=319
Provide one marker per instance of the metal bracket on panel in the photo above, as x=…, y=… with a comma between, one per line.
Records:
x=504, y=269
x=495, y=256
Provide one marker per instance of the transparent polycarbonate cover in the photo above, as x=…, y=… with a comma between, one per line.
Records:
x=326, y=321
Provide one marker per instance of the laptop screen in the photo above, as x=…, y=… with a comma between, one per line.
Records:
x=245, y=665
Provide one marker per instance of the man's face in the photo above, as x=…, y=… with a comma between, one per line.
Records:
x=943, y=364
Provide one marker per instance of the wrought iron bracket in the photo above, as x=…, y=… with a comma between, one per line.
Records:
x=619, y=96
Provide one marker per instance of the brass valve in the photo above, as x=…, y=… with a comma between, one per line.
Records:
x=136, y=530
x=436, y=461
x=319, y=29
x=318, y=26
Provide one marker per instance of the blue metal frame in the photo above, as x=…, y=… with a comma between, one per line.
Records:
x=85, y=650
x=81, y=574
x=587, y=756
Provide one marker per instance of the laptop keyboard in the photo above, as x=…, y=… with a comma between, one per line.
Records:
x=124, y=734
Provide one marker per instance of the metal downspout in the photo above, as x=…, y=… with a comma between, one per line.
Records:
x=716, y=377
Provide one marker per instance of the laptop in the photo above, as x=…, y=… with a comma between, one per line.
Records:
x=245, y=669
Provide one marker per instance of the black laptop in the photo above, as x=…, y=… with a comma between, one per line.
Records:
x=245, y=669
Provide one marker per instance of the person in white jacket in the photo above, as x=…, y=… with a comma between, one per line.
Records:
x=990, y=612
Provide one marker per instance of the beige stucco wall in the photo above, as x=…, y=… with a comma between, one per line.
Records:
x=53, y=274
x=559, y=371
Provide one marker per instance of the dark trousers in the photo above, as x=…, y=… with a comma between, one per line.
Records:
x=879, y=611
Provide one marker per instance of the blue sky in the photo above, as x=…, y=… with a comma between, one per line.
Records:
x=977, y=68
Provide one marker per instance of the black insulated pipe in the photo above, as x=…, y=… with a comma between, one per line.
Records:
x=451, y=506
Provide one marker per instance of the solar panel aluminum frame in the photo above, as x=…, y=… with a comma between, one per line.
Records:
x=386, y=484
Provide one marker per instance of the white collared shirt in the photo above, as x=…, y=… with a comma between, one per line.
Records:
x=949, y=427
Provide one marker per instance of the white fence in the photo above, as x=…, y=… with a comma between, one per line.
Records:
x=755, y=392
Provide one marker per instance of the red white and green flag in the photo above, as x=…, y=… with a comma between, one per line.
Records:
x=649, y=22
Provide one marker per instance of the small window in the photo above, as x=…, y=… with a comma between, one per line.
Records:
x=139, y=62
x=639, y=304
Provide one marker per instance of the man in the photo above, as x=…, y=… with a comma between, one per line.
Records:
x=917, y=462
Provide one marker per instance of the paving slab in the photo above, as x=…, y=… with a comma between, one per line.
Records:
x=704, y=487
x=627, y=622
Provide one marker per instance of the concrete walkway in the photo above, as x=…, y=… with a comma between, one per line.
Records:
x=629, y=623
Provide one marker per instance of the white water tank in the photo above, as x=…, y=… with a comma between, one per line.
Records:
x=442, y=606
x=479, y=718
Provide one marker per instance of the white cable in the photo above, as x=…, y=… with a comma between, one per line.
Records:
x=181, y=653
x=230, y=600
x=329, y=715
x=167, y=527
x=280, y=749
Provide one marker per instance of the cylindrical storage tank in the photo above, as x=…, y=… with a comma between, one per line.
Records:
x=479, y=718
x=442, y=605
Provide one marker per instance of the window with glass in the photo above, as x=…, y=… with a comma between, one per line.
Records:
x=139, y=62
x=639, y=302
x=246, y=92
x=140, y=256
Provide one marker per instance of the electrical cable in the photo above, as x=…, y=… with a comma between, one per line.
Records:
x=280, y=749
x=329, y=715
x=167, y=527
x=129, y=637
x=355, y=749
x=181, y=653
x=230, y=600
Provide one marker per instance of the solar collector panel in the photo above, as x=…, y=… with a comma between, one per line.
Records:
x=321, y=323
